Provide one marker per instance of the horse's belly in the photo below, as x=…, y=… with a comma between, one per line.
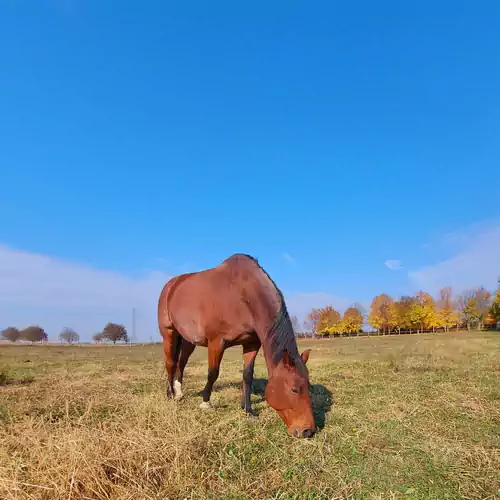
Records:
x=193, y=334
x=242, y=339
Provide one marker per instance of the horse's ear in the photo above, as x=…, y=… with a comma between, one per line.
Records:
x=305, y=355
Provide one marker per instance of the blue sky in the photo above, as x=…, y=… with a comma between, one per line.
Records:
x=141, y=140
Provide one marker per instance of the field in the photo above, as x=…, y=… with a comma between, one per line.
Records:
x=399, y=416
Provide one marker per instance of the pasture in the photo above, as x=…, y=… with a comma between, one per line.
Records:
x=400, y=417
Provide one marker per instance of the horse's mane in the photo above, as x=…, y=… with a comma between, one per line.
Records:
x=280, y=336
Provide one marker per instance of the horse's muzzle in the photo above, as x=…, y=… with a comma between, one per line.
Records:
x=303, y=433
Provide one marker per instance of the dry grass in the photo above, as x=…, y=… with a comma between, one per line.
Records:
x=404, y=417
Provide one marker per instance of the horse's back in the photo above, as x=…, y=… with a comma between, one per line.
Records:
x=215, y=301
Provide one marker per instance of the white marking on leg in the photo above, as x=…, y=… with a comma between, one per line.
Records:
x=178, y=389
x=205, y=405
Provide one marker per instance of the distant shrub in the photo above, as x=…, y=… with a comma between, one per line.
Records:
x=11, y=333
x=34, y=334
x=114, y=332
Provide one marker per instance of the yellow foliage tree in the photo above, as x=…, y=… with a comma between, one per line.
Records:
x=495, y=307
x=469, y=310
x=427, y=313
x=383, y=314
x=403, y=313
x=447, y=314
x=416, y=316
x=483, y=298
x=352, y=321
x=329, y=321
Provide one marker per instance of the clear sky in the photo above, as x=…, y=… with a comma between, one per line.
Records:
x=353, y=148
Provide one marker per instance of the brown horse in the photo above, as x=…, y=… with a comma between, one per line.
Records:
x=236, y=303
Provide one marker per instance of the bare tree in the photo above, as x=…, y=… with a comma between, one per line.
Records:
x=98, y=337
x=312, y=320
x=69, y=335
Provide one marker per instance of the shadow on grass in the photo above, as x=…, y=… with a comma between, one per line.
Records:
x=321, y=397
x=6, y=380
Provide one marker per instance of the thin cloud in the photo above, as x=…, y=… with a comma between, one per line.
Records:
x=55, y=293
x=301, y=303
x=393, y=265
x=289, y=258
x=476, y=264
x=65, y=293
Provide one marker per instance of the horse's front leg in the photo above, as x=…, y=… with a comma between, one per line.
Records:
x=249, y=354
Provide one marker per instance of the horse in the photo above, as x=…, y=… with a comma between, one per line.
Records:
x=236, y=303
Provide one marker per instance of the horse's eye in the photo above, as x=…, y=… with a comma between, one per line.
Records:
x=296, y=391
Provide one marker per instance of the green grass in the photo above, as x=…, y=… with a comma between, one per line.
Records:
x=410, y=417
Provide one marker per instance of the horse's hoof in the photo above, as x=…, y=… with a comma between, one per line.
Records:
x=205, y=405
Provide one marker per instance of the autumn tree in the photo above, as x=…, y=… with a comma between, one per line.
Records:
x=417, y=317
x=114, y=332
x=423, y=313
x=69, y=335
x=34, y=334
x=490, y=320
x=495, y=307
x=446, y=313
x=483, y=302
x=11, y=333
x=329, y=321
x=352, y=320
x=383, y=313
x=403, y=313
x=361, y=308
x=468, y=307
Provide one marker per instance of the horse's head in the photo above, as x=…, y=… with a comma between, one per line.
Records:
x=288, y=393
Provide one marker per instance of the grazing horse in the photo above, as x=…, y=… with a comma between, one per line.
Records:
x=236, y=303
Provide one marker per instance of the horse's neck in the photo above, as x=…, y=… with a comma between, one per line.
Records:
x=272, y=346
x=272, y=324
x=268, y=356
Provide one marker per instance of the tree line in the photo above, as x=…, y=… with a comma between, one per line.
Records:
x=112, y=332
x=477, y=308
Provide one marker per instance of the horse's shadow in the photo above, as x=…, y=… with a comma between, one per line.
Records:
x=321, y=397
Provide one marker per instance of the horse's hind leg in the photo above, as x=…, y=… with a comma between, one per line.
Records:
x=186, y=350
x=215, y=351
x=171, y=347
